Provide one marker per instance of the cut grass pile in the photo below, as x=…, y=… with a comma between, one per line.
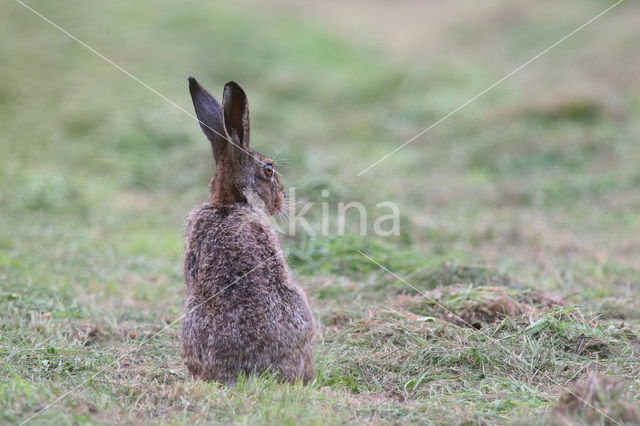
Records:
x=469, y=306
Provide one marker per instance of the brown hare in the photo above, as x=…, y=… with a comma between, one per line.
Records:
x=244, y=312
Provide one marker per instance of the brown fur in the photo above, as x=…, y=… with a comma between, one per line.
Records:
x=244, y=313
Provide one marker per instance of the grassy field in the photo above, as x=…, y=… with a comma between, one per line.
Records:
x=520, y=213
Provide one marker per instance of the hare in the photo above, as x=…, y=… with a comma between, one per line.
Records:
x=244, y=312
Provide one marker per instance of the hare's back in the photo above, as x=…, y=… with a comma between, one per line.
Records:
x=231, y=245
x=240, y=289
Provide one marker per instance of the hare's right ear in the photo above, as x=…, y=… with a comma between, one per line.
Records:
x=209, y=113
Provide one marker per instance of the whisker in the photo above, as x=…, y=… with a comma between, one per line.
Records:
x=275, y=157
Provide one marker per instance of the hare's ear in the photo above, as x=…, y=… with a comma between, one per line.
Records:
x=209, y=115
x=236, y=114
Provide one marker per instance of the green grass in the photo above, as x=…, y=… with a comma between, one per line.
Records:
x=520, y=214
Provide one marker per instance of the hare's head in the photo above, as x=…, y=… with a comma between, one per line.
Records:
x=242, y=174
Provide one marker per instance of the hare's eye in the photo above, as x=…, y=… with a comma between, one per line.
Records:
x=268, y=169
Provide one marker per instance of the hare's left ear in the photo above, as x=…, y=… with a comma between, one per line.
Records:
x=235, y=107
x=209, y=114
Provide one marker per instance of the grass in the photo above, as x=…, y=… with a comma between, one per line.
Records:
x=520, y=214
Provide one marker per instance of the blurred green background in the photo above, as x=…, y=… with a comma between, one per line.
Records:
x=536, y=180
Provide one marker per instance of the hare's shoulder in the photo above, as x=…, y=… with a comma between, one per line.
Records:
x=228, y=246
x=206, y=215
x=237, y=226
